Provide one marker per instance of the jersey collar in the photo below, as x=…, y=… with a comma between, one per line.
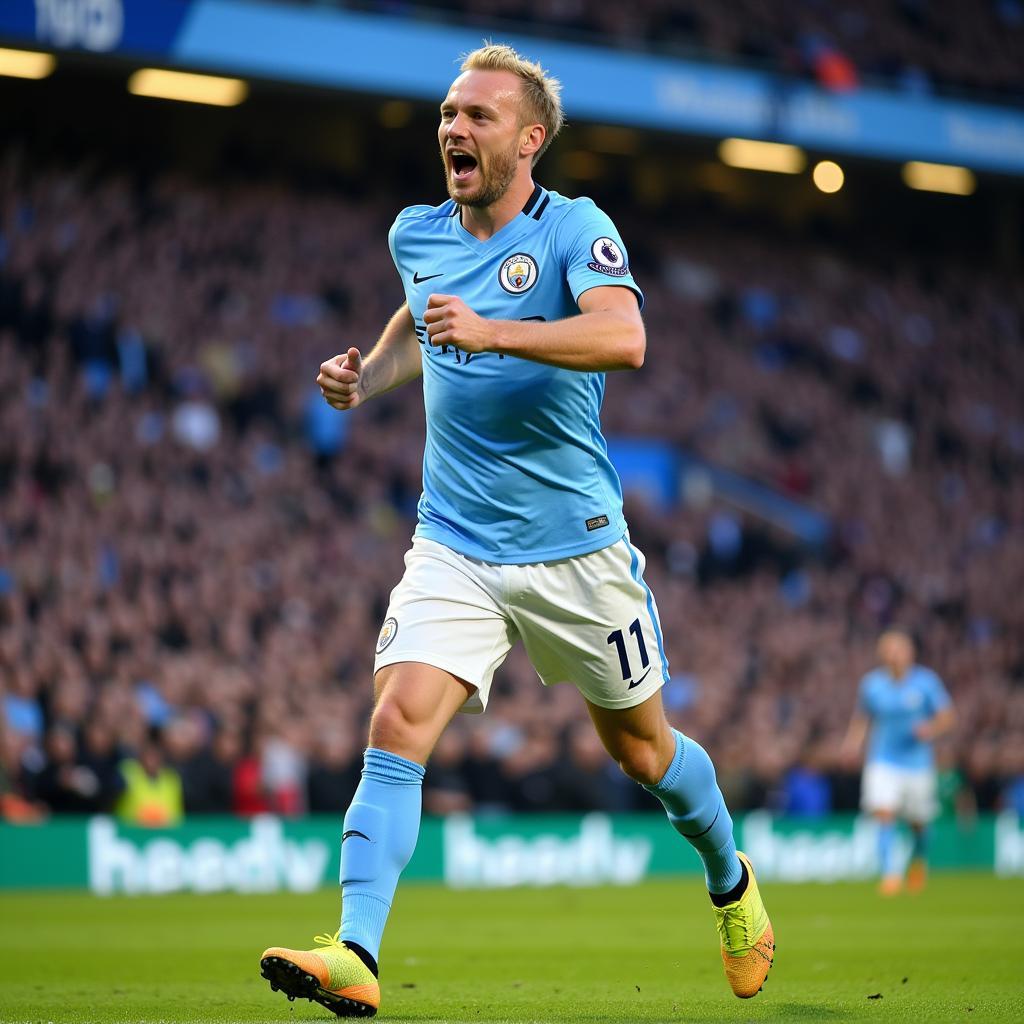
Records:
x=532, y=210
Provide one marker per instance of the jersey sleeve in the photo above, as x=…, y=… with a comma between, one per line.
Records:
x=393, y=244
x=938, y=696
x=592, y=251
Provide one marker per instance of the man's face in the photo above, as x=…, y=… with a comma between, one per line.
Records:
x=896, y=652
x=480, y=134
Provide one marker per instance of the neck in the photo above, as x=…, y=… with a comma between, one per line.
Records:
x=484, y=221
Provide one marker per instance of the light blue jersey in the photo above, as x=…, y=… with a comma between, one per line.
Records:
x=515, y=469
x=895, y=707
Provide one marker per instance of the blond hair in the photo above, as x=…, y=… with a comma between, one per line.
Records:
x=541, y=92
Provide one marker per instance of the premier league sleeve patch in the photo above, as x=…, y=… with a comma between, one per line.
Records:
x=608, y=258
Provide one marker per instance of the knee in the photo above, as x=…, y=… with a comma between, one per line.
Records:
x=643, y=761
x=395, y=729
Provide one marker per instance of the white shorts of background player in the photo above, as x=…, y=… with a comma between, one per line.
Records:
x=908, y=793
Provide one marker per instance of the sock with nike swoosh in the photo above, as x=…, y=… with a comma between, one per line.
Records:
x=379, y=836
x=695, y=806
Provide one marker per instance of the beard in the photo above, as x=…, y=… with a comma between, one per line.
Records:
x=494, y=182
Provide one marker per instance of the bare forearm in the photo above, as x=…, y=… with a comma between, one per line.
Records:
x=938, y=725
x=855, y=734
x=395, y=359
x=595, y=342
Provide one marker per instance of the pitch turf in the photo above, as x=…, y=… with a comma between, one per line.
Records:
x=953, y=953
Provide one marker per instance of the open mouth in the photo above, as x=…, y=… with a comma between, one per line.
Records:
x=463, y=165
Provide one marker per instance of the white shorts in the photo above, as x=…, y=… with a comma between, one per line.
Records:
x=908, y=793
x=588, y=620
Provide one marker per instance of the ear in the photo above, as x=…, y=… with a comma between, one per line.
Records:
x=532, y=139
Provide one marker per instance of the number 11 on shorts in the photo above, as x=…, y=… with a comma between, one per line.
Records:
x=619, y=640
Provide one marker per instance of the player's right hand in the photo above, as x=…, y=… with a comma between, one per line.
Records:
x=340, y=380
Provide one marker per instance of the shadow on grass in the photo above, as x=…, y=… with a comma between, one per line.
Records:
x=765, y=1011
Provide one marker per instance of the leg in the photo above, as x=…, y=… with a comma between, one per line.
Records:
x=680, y=774
x=444, y=626
x=917, y=872
x=881, y=798
x=415, y=703
x=920, y=807
x=891, y=882
x=678, y=771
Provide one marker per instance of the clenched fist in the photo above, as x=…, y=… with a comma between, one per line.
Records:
x=451, y=322
x=339, y=380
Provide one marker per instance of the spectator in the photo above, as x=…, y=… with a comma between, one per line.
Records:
x=152, y=794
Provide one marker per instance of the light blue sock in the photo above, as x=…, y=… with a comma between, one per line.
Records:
x=697, y=810
x=886, y=847
x=380, y=832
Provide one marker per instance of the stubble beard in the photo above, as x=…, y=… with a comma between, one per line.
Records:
x=494, y=184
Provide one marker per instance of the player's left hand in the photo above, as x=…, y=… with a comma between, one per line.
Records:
x=451, y=322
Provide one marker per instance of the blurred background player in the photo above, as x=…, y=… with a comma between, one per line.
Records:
x=902, y=708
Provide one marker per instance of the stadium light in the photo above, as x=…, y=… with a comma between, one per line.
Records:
x=762, y=156
x=179, y=85
x=955, y=181
x=828, y=176
x=26, y=63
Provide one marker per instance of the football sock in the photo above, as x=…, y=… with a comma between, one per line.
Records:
x=886, y=847
x=919, y=849
x=695, y=806
x=364, y=956
x=720, y=899
x=379, y=836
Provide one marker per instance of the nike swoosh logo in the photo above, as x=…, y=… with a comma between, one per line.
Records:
x=356, y=832
x=630, y=687
x=416, y=279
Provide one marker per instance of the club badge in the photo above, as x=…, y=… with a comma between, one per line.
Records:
x=388, y=632
x=518, y=274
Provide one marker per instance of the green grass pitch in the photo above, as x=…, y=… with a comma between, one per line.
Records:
x=650, y=953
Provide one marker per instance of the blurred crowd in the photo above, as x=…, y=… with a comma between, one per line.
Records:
x=919, y=46
x=196, y=552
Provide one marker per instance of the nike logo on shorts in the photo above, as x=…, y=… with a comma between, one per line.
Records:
x=640, y=680
x=416, y=279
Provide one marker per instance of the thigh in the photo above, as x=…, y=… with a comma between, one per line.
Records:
x=920, y=797
x=414, y=704
x=446, y=613
x=592, y=621
x=880, y=788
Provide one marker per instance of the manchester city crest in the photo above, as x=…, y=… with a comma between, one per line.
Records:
x=518, y=273
x=388, y=632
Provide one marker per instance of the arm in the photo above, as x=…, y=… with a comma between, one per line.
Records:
x=855, y=735
x=348, y=380
x=941, y=722
x=607, y=335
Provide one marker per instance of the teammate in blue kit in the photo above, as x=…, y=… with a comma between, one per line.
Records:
x=518, y=301
x=902, y=708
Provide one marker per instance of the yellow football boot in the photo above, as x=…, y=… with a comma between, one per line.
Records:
x=748, y=942
x=332, y=976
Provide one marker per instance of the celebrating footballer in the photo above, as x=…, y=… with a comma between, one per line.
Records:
x=518, y=301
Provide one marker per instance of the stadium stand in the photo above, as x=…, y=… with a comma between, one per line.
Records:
x=193, y=548
x=920, y=46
